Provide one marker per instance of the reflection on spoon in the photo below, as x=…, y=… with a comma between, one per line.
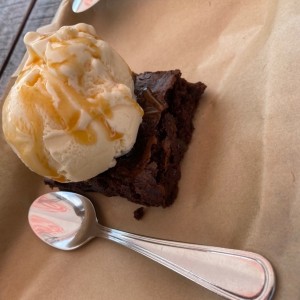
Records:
x=67, y=220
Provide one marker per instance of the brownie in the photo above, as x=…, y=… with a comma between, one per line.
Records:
x=150, y=172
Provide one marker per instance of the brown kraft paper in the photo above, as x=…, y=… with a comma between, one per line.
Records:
x=240, y=180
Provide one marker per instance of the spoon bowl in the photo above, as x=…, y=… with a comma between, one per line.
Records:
x=66, y=221
x=62, y=219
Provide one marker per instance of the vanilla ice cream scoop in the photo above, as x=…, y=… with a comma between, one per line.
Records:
x=72, y=109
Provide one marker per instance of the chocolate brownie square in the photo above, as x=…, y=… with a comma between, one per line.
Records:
x=150, y=172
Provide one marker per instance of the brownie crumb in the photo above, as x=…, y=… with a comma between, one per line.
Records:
x=139, y=213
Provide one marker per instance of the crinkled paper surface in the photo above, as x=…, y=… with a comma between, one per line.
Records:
x=240, y=177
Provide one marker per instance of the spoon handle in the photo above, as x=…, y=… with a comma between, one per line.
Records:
x=233, y=274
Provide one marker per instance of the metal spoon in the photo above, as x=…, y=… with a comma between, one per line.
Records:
x=67, y=220
x=79, y=6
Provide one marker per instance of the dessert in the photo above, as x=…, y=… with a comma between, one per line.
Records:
x=150, y=172
x=78, y=116
x=72, y=110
